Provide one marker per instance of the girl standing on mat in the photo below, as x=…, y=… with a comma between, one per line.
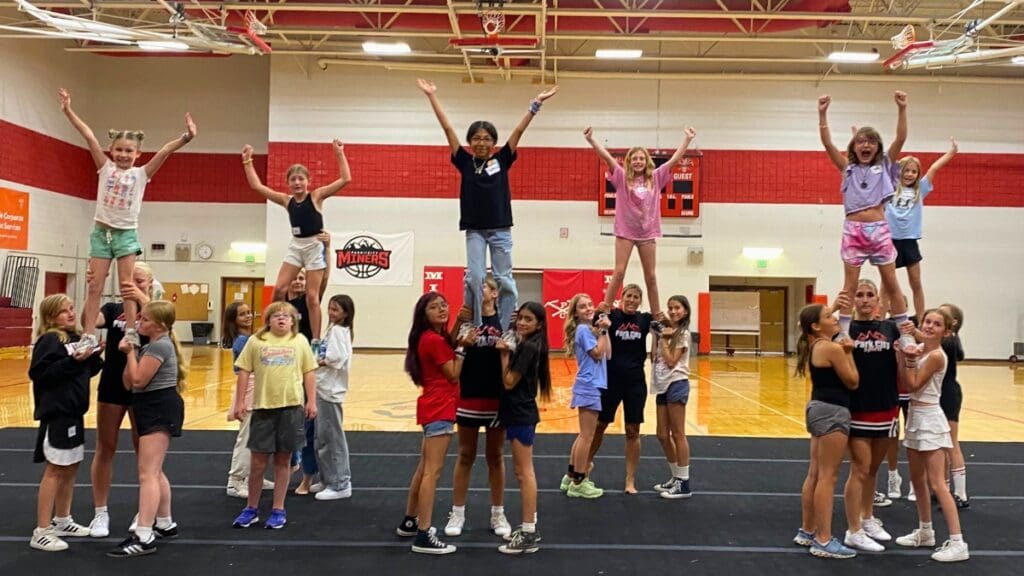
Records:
x=119, y=195
x=282, y=364
x=928, y=438
x=874, y=417
x=305, y=214
x=237, y=329
x=434, y=363
x=331, y=387
x=903, y=213
x=588, y=342
x=156, y=375
x=670, y=382
x=951, y=400
x=485, y=201
x=833, y=376
x=60, y=374
x=638, y=210
x=627, y=384
x=479, y=389
x=113, y=400
x=869, y=179
x=525, y=372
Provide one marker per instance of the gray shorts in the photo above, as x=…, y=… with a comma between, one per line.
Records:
x=824, y=418
x=276, y=430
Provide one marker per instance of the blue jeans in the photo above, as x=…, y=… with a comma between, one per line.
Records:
x=308, y=458
x=500, y=243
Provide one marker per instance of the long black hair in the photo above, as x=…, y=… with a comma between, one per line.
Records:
x=419, y=326
x=539, y=340
x=344, y=301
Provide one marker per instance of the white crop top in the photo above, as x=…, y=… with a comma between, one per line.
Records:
x=932, y=391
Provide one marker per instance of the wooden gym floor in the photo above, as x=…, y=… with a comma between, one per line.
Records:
x=731, y=396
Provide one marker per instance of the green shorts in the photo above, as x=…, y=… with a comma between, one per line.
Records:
x=111, y=243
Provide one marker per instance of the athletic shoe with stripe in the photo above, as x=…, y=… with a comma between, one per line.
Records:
x=72, y=529
x=169, y=533
x=44, y=539
x=131, y=547
x=278, y=518
x=520, y=543
x=961, y=502
x=873, y=528
x=680, y=489
x=803, y=538
x=248, y=517
x=407, y=529
x=918, y=538
x=834, y=549
x=428, y=543
x=666, y=485
x=861, y=541
x=585, y=489
x=566, y=481
x=952, y=552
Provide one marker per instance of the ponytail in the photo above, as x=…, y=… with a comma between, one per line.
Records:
x=803, y=353
x=182, y=369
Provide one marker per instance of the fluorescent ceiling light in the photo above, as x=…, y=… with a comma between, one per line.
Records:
x=386, y=48
x=1019, y=60
x=163, y=45
x=761, y=253
x=615, y=54
x=249, y=247
x=853, y=57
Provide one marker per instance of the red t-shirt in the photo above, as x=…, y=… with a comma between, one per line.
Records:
x=440, y=397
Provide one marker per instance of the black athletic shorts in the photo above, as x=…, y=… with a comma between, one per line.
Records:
x=633, y=397
x=158, y=411
x=907, y=253
x=951, y=400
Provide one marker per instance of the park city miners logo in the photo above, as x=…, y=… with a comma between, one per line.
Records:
x=363, y=257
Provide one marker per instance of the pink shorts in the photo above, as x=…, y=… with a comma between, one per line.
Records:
x=864, y=241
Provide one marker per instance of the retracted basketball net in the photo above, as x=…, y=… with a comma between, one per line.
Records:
x=492, y=24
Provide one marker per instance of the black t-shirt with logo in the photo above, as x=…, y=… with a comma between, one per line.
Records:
x=628, y=334
x=481, y=370
x=299, y=302
x=875, y=357
x=518, y=406
x=485, y=200
x=114, y=321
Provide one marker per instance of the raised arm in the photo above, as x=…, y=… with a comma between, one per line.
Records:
x=325, y=237
x=942, y=161
x=689, y=135
x=901, y=125
x=254, y=180
x=99, y=157
x=161, y=155
x=535, y=104
x=826, y=137
x=430, y=90
x=325, y=192
x=602, y=152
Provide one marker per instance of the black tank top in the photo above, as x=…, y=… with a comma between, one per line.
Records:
x=306, y=220
x=827, y=387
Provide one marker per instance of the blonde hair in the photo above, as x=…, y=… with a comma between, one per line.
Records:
x=648, y=168
x=149, y=274
x=917, y=183
x=274, y=308
x=49, y=309
x=134, y=135
x=296, y=168
x=571, y=323
x=162, y=312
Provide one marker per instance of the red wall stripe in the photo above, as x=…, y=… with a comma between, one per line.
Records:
x=569, y=174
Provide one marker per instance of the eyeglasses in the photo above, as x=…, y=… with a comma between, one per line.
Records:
x=481, y=139
x=280, y=315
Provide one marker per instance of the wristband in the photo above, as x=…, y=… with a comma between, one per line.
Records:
x=249, y=161
x=535, y=106
x=604, y=332
x=460, y=351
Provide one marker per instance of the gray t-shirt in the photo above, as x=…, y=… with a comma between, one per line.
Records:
x=167, y=375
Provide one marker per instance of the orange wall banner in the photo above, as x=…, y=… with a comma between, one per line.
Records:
x=13, y=219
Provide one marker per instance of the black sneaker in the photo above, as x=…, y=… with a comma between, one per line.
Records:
x=133, y=547
x=680, y=489
x=657, y=327
x=961, y=502
x=521, y=543
x=407, y=529
x=428, y=543
x=169, y=533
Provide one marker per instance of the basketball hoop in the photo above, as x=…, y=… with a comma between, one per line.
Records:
x=492, y=19
x=251, y=32
x=905, y=38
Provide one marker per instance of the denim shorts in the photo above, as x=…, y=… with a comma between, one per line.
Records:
x=525, y=433
x=438, y=428
x=678, y=391
x=113, y=243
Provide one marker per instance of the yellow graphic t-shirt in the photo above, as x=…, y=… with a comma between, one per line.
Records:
x=278, y=366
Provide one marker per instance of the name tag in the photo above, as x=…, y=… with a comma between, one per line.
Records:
x=72, y=432
x=296, y=231
x=493, y=167
x=876, y=169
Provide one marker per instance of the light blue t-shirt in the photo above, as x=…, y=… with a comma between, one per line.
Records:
x=591, y=375
x=903, y=212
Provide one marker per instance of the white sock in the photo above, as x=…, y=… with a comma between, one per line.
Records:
x=61, y=521
x=960, y=483
x=145, y=535
x=101, y=511
x=684, y=472
x=496, y=510
x=844, y=323
x=925, y=525
x=672, y=468
x=529, y=527
x=956, y=537
x=459, y=511
x=164, y=523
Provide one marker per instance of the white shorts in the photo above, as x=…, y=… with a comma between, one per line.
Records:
x=927, y=429
x=59, y=457
x=306, y=253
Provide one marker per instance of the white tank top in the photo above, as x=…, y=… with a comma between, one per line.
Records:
x=932, y=390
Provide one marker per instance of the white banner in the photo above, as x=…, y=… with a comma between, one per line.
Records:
x=371, y=259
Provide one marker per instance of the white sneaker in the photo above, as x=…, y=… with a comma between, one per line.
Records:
x=861, y=541
x=873, y=528
x=331, y=494
x=238, y=488
x=500, y=525
x=910, y=495
x=88, y=342
x=952, y=552
x=131, y=336
x=316, y=487
x=455, y=524
x=881, y=500
x=895, y=485
x=268, y=484
x=72, y=529
x=44, y=539
x=134, y=524
x=919, y=537
x=100, y=526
